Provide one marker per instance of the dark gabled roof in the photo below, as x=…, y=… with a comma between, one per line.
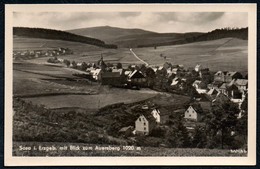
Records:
x=149, y=117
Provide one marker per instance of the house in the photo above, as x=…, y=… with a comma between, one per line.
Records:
x=215, y=85
x=136, y=78
x=200, y=86
x=192, y=114
x=219, y=76
x=232, y=75
x=197, y=68
x=227, y=77
x=235, y=94
x=79, y=64
x=127, y=72
x=161, y=115
x=145, y=124
x=111, y=78
x=220, y=98
x=223, y=88
x=96, y=74
x=175, y=71
x=126, y=131
x=242, y=84
x=175, y=81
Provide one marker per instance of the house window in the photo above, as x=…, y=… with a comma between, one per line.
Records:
x=190, y=115
x=144, y=124
x=140, y=119
x=144, y=128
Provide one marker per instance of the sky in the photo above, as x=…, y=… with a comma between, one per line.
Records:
x=162, y=22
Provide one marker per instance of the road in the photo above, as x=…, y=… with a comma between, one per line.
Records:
x=131, y=50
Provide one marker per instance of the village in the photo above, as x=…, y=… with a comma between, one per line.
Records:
x=205, y=88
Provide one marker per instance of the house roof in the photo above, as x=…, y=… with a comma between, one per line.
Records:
x=175, y=81
x=196, y=82
x=175, y=70
x=148, y=117
x=223, y=86
x=134, y=72
x=128, y=72
x=221, y=97
x=197, y=66
x=230, y=73
x=124, y=129
x=194, y=107
x=219, y=73
x=95, y=72
x=241, y=82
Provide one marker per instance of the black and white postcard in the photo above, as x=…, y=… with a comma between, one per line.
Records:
x=118, y=84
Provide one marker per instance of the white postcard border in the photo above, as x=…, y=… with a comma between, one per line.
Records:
x=100, y=161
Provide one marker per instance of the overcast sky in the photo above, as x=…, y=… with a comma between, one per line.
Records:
x=158, y=22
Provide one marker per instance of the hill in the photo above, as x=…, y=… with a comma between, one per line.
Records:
x=108, y=33
x=58, y=35
x=213, y=35
x=131, y=37
x=229, y=54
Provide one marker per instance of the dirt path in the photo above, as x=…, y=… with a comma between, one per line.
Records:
x=131, y=50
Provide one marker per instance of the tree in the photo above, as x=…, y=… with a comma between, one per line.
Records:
x=223, y=121
x=150, y=76
x=67, y=62
x=177, y=136
x=83, y=66
x=200, y=138
x=243, y=121
x=74, y=64
x=119, y=65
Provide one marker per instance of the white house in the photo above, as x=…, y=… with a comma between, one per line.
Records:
x=161, y=116
x=96, y=74
x=144, y=124
x=192, y=114
x=198, y=85
x=197, y=68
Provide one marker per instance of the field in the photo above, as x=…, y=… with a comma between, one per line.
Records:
x=145, y=151
x=224, y=54
x=108, y=97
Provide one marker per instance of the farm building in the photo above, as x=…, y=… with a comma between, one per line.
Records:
x=192, y=114
x=145, y=124
x=161, y=116
x=111, y=78
x=136, y=78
